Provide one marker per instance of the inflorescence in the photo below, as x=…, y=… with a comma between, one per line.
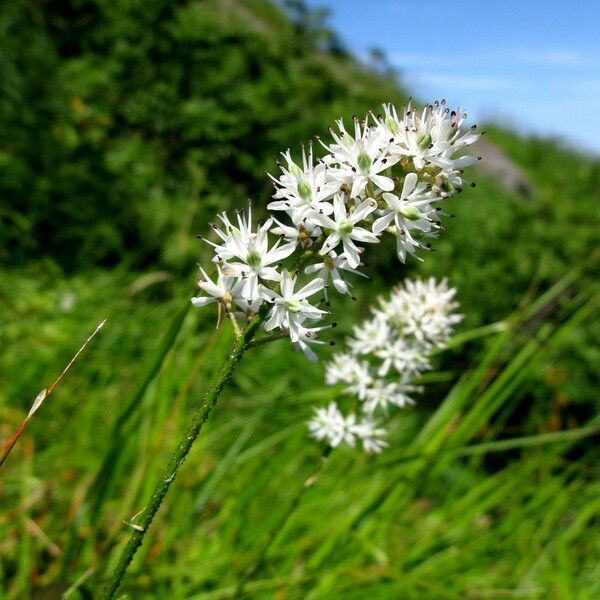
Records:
x=384, y=357
x=384, y=177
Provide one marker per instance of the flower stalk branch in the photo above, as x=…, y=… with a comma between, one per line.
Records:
x=268, y=339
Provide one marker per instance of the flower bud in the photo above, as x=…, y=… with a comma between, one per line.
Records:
x=295, y=170
x=424, y=141
x=391, y=124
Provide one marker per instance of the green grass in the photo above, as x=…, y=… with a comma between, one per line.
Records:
x=460, y=506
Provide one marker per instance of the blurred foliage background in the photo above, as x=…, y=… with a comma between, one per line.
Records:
x=125, y=127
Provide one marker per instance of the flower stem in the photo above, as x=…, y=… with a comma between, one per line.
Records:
x=272, y=536
x=242, y=343
x=268, y=338
x=210, y=399
x=309, y=254
x=236, y=328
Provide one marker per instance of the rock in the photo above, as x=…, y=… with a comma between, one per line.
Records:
x=496, y=165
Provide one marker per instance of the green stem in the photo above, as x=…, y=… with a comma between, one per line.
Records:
x=242, y=343
x=210, y=399
x=236, y=328
x=272, y=536
x=268, y=338
x=310, y=253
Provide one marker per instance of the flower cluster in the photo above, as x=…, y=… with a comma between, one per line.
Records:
x=385, y=356
x=384, y=177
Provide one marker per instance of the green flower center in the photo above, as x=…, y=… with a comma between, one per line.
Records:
x=304, y=190
x=253, y=259
x=346, y=227
x=293, y=306
x=410, y=213
x=364, y=161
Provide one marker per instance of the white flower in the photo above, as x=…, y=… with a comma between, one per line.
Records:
x=329, y=270
x=242, y=234
x=226, y=290
x=389, y=125
x=424, y=311
x=331, y=426
x=248, y=308
x=343, y=228
x=297, y=234
x=370, y=435
x=302, y=192
x=381, y=394
x=345, y=368
x=291, y=309
x=360, y=158
x=254, y=257
x=369, y=336
x=342, y=368
x=433, y=136
x=447, y=183
x=362, y=380
x=410, y=211
x=307, y=336
x=406, y=358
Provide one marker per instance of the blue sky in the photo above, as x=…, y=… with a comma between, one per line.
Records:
x=533, y=63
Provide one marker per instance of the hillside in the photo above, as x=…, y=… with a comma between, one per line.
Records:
x=124, y=127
